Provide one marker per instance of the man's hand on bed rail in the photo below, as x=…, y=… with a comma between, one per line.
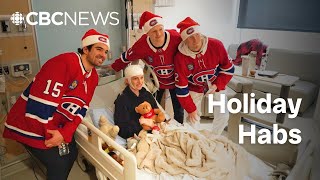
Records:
x=55, y=140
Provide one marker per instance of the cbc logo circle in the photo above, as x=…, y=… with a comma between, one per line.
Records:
x=17, y=18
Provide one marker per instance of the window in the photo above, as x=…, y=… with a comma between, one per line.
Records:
x=290, y=15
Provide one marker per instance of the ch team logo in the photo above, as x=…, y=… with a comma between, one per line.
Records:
x=17, y=18
x=204, y=76
x=102, y=39
x=164, y=71
x=153, y=22
x=190, y=30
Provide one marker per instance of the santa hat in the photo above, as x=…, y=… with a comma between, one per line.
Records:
x=188, y=27
x=149, y=20
x=92, y=36
x=133, y=70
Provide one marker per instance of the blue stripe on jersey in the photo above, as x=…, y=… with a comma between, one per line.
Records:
x=124, y=57
x=230, y=70
x=182, y=91
x=26, y=92
x=83, y=111
x=217, y=71
x=43, y=111
x=26, y=135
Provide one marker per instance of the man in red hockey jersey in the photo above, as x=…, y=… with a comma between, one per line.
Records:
x=157, y=48
x=48, y=112
x=203, y=67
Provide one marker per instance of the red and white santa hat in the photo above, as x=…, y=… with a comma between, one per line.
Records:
x=92, y=36
x=149, y=20
x=188, y=27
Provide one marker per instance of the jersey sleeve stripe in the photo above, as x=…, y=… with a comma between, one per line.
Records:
x=80, y=116
x=227, y=73
x=83, y=112
x=228, y=70
x=123, y=58
x=38, y=110
x=181, y=87
x=26, y=92
x=43, y=101
x=182, y=91
x=23, y=132
x=24, y=97
x=35, y=117
x=181, y=96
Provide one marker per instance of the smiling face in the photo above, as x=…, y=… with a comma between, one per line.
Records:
x=156, y=35
x=95, y=56
x=194, y=42
x=136, y=82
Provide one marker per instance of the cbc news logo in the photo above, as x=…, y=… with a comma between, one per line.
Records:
x=83, y=18
x=17, y=18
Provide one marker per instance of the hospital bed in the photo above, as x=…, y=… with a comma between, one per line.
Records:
x=89, y=139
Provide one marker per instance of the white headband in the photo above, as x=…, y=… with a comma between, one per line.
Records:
x=190, y=31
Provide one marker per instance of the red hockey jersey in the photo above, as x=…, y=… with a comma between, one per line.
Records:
x=160, y=60
x=57, y=99
x=195, y=70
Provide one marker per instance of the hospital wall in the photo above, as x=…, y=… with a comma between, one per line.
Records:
x=218, y=19
x=17, y=47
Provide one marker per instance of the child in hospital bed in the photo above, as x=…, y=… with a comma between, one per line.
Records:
x=134, y=94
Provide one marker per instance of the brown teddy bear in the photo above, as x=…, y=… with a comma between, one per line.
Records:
x=149, y=116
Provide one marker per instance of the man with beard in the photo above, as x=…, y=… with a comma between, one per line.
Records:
x=48, y=112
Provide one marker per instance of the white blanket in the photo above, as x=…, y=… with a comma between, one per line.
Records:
x=179, y=152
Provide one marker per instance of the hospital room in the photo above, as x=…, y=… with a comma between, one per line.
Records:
x=159, y=89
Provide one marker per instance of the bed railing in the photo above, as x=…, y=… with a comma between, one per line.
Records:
x=99, y=158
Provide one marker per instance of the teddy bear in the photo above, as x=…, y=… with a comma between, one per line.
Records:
x=107, y=128
x=111, y=131
x=149, y=117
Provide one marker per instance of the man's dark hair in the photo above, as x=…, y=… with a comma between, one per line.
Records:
x=81, y=50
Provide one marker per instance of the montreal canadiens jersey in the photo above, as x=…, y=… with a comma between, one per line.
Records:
x=57, y=99
x=160, y=59
x=195, y=71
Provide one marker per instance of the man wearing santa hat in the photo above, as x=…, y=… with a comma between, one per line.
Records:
x=203, y=67
x=48, y=112
x=157, y=48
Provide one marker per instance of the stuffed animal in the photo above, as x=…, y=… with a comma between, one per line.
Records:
x=107, y=128
x=149, y=116
x=110, y=130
